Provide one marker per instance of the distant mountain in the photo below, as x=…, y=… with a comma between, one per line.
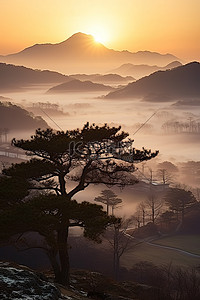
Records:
x=139, y=71
x=179, y=83
x=172, y=65
x=81, y=54
x=13, y=117
x=108, y=78
x=79, y=86
x=187, y=102
x=16, y=77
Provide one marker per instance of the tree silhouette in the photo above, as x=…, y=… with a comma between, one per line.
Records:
x=154, y=205
x=109, y=198
x=87, y=156
x=167, y=218
x=165, y=176
x=119, y=241
x=179, y=201
x=140, y=214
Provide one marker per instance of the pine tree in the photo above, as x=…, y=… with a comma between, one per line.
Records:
x=87, y=156
x=110, y=199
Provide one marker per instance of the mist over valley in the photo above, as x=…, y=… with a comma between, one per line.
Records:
x=100, y=168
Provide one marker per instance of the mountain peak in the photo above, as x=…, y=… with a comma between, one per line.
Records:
x=81, y=54
x=79, y=37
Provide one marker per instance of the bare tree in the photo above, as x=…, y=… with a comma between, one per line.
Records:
x=154, y=205
x=143, y=210
x=119, y=241
x=165, y=176
x=140, y=214
x=4, y=135
x=151, y=175
x=137, y=218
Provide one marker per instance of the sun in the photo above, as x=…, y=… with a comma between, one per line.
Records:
x=99, y=31
x=100, y=35
x=99, y=38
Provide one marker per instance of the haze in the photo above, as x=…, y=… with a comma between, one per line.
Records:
x=155, y=25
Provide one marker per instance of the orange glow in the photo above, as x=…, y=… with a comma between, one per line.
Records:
x=154, y=25
x=100, y=36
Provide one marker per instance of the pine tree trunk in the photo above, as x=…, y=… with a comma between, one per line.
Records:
x=63, y=277
x=62, y=241
x=62, y=184
x=183, y=214
x=153, y=214
x=54, y=263
x=143, y=217
x=116, y=268
x=116, y=256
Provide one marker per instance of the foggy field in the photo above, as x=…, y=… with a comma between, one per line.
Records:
x=75, y=109
x=157, y=256
x=190, y=243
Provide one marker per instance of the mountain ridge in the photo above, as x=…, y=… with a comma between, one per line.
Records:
x=138, y=71
x=178, y=83
x=79, y=86
x=16, y=77
x=80, y=53
x=19, y=77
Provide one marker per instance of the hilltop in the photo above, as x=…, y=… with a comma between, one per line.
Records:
x=179, y=83
x=107, y=78
x=138, y=71
x=16, y=77
x=13, y=117
x=79, y=86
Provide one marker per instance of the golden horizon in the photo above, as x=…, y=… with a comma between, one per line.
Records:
x=156, y=26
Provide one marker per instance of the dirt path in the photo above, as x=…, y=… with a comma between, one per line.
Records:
x=173, y=248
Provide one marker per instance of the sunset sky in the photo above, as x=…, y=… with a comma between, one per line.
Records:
x=166, y=26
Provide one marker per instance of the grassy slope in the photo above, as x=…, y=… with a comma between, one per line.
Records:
x=190, y=243
x=159, y=256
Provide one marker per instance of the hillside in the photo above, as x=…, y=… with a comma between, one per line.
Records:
x=181, y=82
x=108, y=78
x=138, y=71
x=17, y=77
x=13, y=117
x=79, y=86
x=80, y=53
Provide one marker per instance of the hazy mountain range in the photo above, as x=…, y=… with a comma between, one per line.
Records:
x=179, y=83
x=19, y=77
x=79, y=86
x=81, y=54
x=138, y=71
x=107, y=78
